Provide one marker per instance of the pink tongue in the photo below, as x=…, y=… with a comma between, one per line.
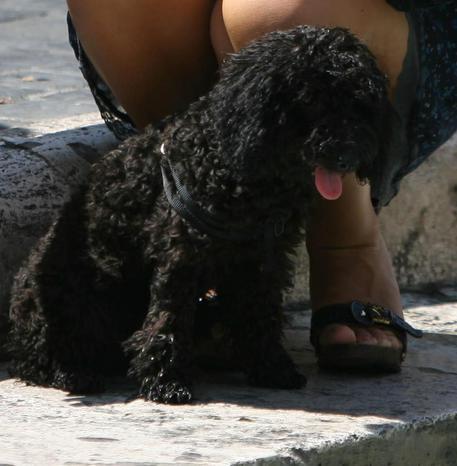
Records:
x=328, y=183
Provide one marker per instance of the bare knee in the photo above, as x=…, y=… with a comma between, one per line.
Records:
x=235, y=23
x=246, y=20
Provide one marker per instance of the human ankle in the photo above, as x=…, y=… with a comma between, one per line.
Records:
x=349, y=221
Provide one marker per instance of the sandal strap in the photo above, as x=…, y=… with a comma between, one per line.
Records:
x=365, y=314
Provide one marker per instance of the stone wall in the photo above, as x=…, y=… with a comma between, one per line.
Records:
x=37, y=175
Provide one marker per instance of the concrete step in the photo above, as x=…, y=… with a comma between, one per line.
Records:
x=406, y=419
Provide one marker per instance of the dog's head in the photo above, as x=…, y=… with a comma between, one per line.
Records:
x=312, y=91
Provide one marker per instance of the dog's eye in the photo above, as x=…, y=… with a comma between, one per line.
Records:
x=341, y=164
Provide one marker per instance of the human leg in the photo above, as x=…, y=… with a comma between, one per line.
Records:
x=156, y=56
x=348, y=257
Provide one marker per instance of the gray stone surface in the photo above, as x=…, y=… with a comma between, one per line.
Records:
x=39, y=77
x=406, y=419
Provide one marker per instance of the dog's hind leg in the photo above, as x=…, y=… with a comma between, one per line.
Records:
x=161, y=352
x=255, y=299
x=46, y=341
x=61, y=332
x=37, y=357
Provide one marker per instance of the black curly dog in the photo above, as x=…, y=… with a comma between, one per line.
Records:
x=215, y=197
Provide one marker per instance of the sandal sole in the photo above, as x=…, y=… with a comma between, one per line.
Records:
x=360, y=358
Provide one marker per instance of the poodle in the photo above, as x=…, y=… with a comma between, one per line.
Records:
x=215, y=197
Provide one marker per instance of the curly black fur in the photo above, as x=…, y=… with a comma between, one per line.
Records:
x=113, y=286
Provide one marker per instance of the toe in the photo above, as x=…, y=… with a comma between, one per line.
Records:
x=377, y=336
x=337, y=334
x=342, y=334
x=386, y=338
x=365, y=336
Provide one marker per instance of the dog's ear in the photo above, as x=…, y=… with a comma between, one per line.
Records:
x=250, y=100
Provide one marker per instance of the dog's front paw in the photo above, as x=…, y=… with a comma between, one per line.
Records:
x=169, y=392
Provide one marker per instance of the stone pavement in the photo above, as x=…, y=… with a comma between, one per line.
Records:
x=406, y=419
x=39, y=77
x=49, y=134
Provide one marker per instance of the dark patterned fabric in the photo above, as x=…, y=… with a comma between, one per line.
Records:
x=113, y=114
x=434, y=115
x=408, y=5
x=431, y=121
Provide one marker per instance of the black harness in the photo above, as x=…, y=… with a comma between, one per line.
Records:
x=217, y=225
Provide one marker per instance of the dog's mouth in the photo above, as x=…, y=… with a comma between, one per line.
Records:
x=328, y=183
x=335, y=152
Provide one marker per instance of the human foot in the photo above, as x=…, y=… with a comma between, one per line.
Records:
x=357, y=272
x=349, y=261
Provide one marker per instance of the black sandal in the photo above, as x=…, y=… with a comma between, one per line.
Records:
x=360, y=357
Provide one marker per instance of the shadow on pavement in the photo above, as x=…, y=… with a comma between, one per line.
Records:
x=418, y=391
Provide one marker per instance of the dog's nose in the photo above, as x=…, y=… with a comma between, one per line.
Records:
x=341, y=164
x=343, y=167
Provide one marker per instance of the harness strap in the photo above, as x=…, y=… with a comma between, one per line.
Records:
x=214, y=225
